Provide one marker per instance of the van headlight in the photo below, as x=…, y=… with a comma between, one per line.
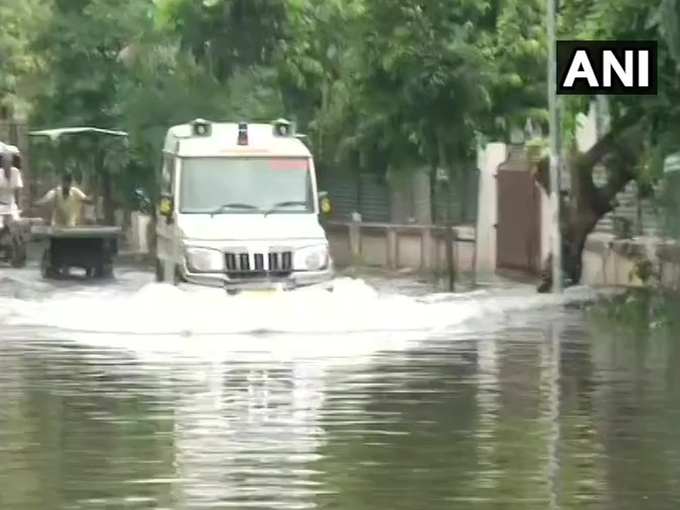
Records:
x=204, y=260
x=311, y=258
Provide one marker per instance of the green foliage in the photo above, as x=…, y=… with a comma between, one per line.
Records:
x=229, y=34
x=19, y=65
x=81, y=43
x=374, y=85
x=378, y=86
x=517, y=48
x=644, y=270
x=536, y=149
x=637, y=310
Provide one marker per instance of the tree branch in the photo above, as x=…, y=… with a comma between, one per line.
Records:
x=622, y=138
x=621, y=169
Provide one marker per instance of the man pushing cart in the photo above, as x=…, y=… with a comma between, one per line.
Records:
x=70, y=244
x=67, y=201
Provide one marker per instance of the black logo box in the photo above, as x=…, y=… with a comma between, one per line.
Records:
x=566, y=50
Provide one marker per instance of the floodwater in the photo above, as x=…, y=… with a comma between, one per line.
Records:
x=136, y=395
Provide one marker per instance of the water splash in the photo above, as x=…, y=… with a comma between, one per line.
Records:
x=353, y=306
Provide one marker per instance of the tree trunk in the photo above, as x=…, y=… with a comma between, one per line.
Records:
x=618, y=152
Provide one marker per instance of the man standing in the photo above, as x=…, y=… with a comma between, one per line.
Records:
x=11, y=182
x=67, y=201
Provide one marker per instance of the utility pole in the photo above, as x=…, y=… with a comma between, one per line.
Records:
x=450, y=236
x=554, y=150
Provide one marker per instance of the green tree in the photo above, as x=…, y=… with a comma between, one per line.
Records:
x=316, y=72
x=515, y=42
x=424, y=82
x=379, y=86
x=642, y=130
x=81, y=44
x=226, y=35
x=166, y=86
x=19, y=64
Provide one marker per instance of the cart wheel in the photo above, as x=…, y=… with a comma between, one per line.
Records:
x=18, y=255
x=45, y=267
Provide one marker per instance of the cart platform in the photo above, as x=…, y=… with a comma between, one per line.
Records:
x=91, y=248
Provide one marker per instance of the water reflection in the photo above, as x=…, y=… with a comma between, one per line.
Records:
x=247, y=436
x=488, y=406
x=74, y=435
x=551, y=365
x=519, y=417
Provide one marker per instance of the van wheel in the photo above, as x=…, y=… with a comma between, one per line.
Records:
x=103, y=271
x=159, y=270
x=160, y=273
x=46, y=266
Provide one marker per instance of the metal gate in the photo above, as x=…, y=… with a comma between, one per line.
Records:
x=366, y=194
x=518, y=231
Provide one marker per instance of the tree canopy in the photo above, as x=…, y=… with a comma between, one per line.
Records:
x=377, y=85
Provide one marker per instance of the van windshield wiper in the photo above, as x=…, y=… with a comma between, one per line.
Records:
x=280, y=205
x=234, y=205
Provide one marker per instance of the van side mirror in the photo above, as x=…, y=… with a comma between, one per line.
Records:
x=166, y=206
x=325, y=202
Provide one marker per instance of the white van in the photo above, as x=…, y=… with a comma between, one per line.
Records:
x=240, y=208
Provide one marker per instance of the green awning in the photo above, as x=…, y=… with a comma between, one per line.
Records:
x=672, y=163
x=55, y=134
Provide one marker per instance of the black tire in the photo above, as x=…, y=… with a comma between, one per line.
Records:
x=46, y=268
x=18, y=255
x=179, y=278
x=160, y=273
x=159, y=270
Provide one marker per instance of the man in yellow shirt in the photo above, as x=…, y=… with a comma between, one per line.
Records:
x=67, y=201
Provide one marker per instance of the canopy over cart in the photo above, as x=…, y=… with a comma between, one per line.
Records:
x=90, y=247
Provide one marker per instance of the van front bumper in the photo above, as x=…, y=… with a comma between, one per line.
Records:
x=295, y=280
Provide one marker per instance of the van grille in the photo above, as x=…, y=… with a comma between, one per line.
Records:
x=252, y=265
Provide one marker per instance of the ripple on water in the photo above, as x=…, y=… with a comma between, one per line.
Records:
x=462, y=421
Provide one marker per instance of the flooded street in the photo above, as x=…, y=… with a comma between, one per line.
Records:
x=137, y=395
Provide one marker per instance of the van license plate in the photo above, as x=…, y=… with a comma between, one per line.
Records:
x=261, y=292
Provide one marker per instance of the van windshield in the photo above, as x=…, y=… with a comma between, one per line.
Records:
x=238, y=185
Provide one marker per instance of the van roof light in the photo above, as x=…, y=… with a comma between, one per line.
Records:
x=282, y=127
x=242, y=138
x=201, y=127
